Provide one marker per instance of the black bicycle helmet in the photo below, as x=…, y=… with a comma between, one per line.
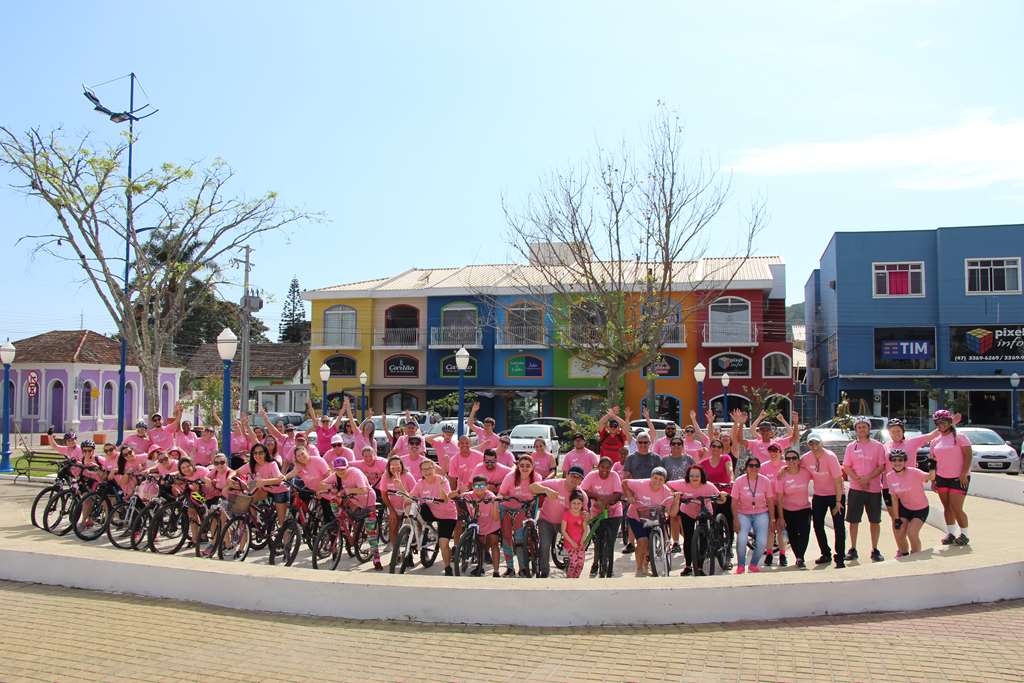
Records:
x=895, y=422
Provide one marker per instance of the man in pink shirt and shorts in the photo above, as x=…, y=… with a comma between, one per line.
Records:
x=864, y=463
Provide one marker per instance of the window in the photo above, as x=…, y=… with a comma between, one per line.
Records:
x=666, y=407
x=672, y=333
x=299, y=398
x=108, y=398
x=86, y=400
x=340, y=326
x=459, y=325
x=274, y=401
x=400, y=402
x=777, y=365
x=729, y=321
x=993, y=275
x=341, y=366
x=586, y=322
x=401, y=325
x=525, y=324
x=587, y=404
x=898, y=279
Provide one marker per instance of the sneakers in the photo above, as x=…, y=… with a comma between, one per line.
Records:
x=377, y=566
x=479, y=571
x=768, y=560
x=448, y=571
x=628, y=549
x=495, y=574
x=949, y=539
x=839, y=562
x=783, y=561
x=800, y=563
x=754, y=569
x=876, y=556
x=900, y=553
x=962, y=540
x=510, y=573
x=593, y=570
x=687, y=571
x=824, y=559
x=740, y=569
x=676, y=548
x=851, y=555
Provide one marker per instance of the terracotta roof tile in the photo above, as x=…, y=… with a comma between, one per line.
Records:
x=272, y=361
x=74, y=346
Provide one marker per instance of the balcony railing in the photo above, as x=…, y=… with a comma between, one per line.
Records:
x=673, y=335
x=730, y=334
x=398, y=337
x=582, y=335
x=454, y=337
x=338, y=338
x=522, y=335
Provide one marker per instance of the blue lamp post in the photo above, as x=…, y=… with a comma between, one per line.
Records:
x=362, y=402
x=7, y=357
x=699, y=373
x=462, y=363
x=227, y=344
x=1014, y=405
x=725, y=396
x=325, y=376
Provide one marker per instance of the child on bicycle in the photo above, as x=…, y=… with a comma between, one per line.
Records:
x=573, y=524
x=487, y=521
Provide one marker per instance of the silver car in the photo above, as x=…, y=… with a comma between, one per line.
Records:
x=835, y=438
x=991, y=452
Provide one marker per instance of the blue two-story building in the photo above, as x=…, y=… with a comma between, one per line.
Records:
x=903, y=322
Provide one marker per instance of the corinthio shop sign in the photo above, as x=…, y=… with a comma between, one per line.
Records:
x=1000, y=343
x=450, y=370
x=401, y=367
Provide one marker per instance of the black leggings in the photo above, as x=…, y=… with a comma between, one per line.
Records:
x=689, y=524
x=821, y=506
x=798, y=526
x=604, y=545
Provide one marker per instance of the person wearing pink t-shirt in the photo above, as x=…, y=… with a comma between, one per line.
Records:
x=460, y=467
x=492, y=472
x=828, y=499
x=217, y=479
x=488, y=523
x=206, y=447
x=372, y=465
x=516, y=494
x=753, y=505
x=574, y=526
x=139, y=440
x=444, y=446
x=311, y=469
x=395, y=479
x=416, y=456
x=485, y=436
x=336, y=448
x=411, y=430
x=604, y=488
x=162, y=433
x=543, y=461
x=326, y=426
x=349, y=487
x=644, y=495
x=793, y=498
x=184, y=437
x=906, y=485
x=442, y=512
x=776, y=540
x=556, y=494
x=953, y=458
x=505, y=456
x=580, y=456
x=70, y=450
x=263, y=478
x=693, y=486
x=863, y=464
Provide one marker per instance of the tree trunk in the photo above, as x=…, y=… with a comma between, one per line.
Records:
x=150, y=372
x=613, y=377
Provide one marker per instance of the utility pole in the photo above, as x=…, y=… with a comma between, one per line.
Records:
x=250, y=302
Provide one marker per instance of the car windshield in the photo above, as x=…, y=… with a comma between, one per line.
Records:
x=529, y=432
x=983, y=437
x=391, y=422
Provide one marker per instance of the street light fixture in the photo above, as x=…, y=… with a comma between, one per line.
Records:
x=7, y=352
x=462, y=364
x=362, y=383
x=1014, y=406
x=325, y=375
x=725, y=396
x=699, y=373
x=227, y=344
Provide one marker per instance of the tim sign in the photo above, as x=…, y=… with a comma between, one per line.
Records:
x=986, y=343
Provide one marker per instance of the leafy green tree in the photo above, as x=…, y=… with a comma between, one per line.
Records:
x=448, y=405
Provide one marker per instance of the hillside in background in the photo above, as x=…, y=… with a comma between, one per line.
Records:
x=795, y=313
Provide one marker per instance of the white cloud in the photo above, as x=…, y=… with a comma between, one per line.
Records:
x=978, y=152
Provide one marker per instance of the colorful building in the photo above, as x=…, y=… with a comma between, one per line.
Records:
x=403, y=332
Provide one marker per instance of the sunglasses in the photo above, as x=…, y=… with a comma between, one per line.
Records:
x=792, y=457
x=479, y=486
x=716, y=445
x=220, y=462
x=645, y=441
x=754, y=465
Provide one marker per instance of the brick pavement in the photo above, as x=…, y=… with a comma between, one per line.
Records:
x=58, y=634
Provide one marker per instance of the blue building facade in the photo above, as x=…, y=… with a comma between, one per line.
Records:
x=904, y=322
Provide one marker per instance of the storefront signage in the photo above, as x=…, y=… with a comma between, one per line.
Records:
x=579, y=369
x=735, y=364
x=402, y=367
x=525, y=366
x=904, y=348
x=449, y=370
x=666, y=366
x=972, y=343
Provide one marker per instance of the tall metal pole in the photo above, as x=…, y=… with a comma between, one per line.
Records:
x=725, y=402
x=462, y=401
x=225, y=417
x=5, y=459
x=1014, y=409
x=324, y=408
x=243, y=374
x=129, y=225
x=362, y=401
x=700, y=404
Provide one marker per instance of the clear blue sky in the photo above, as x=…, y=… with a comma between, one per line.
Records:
x=406, y=122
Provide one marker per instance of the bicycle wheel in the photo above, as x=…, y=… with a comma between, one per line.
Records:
x=401, y=555
x=362, y=541
x=92, y=517
x=168, y=529
x=261, y=530
x=41, y=500
x=700, y=546
x=531, y=541
x=465, y=552
x=721, y=537
x=558, y=555
x=286, y=543
x=209, y=535
x=327, y=547
x=429, y=547
x=123, y=526
x=235, y=541
x=57, y=515
x=314, y=520
x=655, y=551
x=383, y=528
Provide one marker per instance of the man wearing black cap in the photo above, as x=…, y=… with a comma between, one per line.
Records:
x=556, y=494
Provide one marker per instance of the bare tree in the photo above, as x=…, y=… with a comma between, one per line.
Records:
x=186, y=210
x=611, y=241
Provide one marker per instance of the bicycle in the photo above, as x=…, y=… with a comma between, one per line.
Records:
x=235, y=539
x=558, y=555
x=529, y=557
x=345, y=532
x=659, y=549
x=414, y=532
x=128, y=518
x=62, y=507
x=302, y=523
x=61, y=483
x=469, y=543
x=171, y=522
x=710, y=543
x=96, y=508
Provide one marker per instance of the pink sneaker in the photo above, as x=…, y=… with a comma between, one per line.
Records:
x=740, y=569
x=754, y=569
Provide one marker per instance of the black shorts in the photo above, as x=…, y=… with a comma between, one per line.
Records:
x=445, y=527
x=859, y=501
x=951, y=484
x=887, y=498
x=640, y=530
x=908, y=515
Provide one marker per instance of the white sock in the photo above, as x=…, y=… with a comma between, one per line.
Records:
x=951, y=528
x=963, y=531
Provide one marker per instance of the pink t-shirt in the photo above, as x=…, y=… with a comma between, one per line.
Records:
x=752, y=498
x=373, y=470
x=908, y=486
x=413, y=465
x=506, y=458
x=461, y=467
x=72, y=453
x=508, y=488
x=543, y=463
x=794, y=490
x=644, y=496
x=949, y=459
x=350, y=478
x=186, y=441
x=662, y=446
x=205, y=449
x=313, y=472
x=218, y=482
x=401, y=446
x=692, y=508
x=824, y=472
x=554, y=507
x=586, y=458
x=489, y=523
x=436, y=489
x=267, y=470
x=97, y=461
x=359, y=441
x=324, y=436
x=593, y=485
x=759, y=448
x=770, y=468
x=139, y=444
x=162, y=436
x=446, y=450
x=861, y=459
x=693, y=448
x=339, y=452
x=388, y=485
x=485, y=440
x=494, y=477
x=574, y=526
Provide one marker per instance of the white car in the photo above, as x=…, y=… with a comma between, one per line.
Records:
x=991, y=452
x=436, y=429
x=524, y=435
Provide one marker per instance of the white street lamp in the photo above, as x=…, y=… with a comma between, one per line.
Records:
x=227, y=344
x=725, y=395
x=699, y=373
x=461, y=364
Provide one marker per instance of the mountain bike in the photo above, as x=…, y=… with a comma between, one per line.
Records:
x=129, y=522
x=527, y=550
x=170, y=526
x=65, y=476
x=414, y=535
x=62, y=507
x=91, y=514
x=469, y=545
x=346, y=532
x=659, y=548
x=710, y=542
x=302, y=523
x=558, y=554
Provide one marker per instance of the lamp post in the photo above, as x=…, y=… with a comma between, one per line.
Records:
x=362, y=402
x=1014, y=406
x=120, y=117
x=699, y=373
x=7, y=357
x=461, y=363
x=725, y=396
x=227, y=344
x=325, y=375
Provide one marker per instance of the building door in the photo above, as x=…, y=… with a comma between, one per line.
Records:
x=911, y=406
x=57, y=406
x=129, y=407
x=989, y=407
